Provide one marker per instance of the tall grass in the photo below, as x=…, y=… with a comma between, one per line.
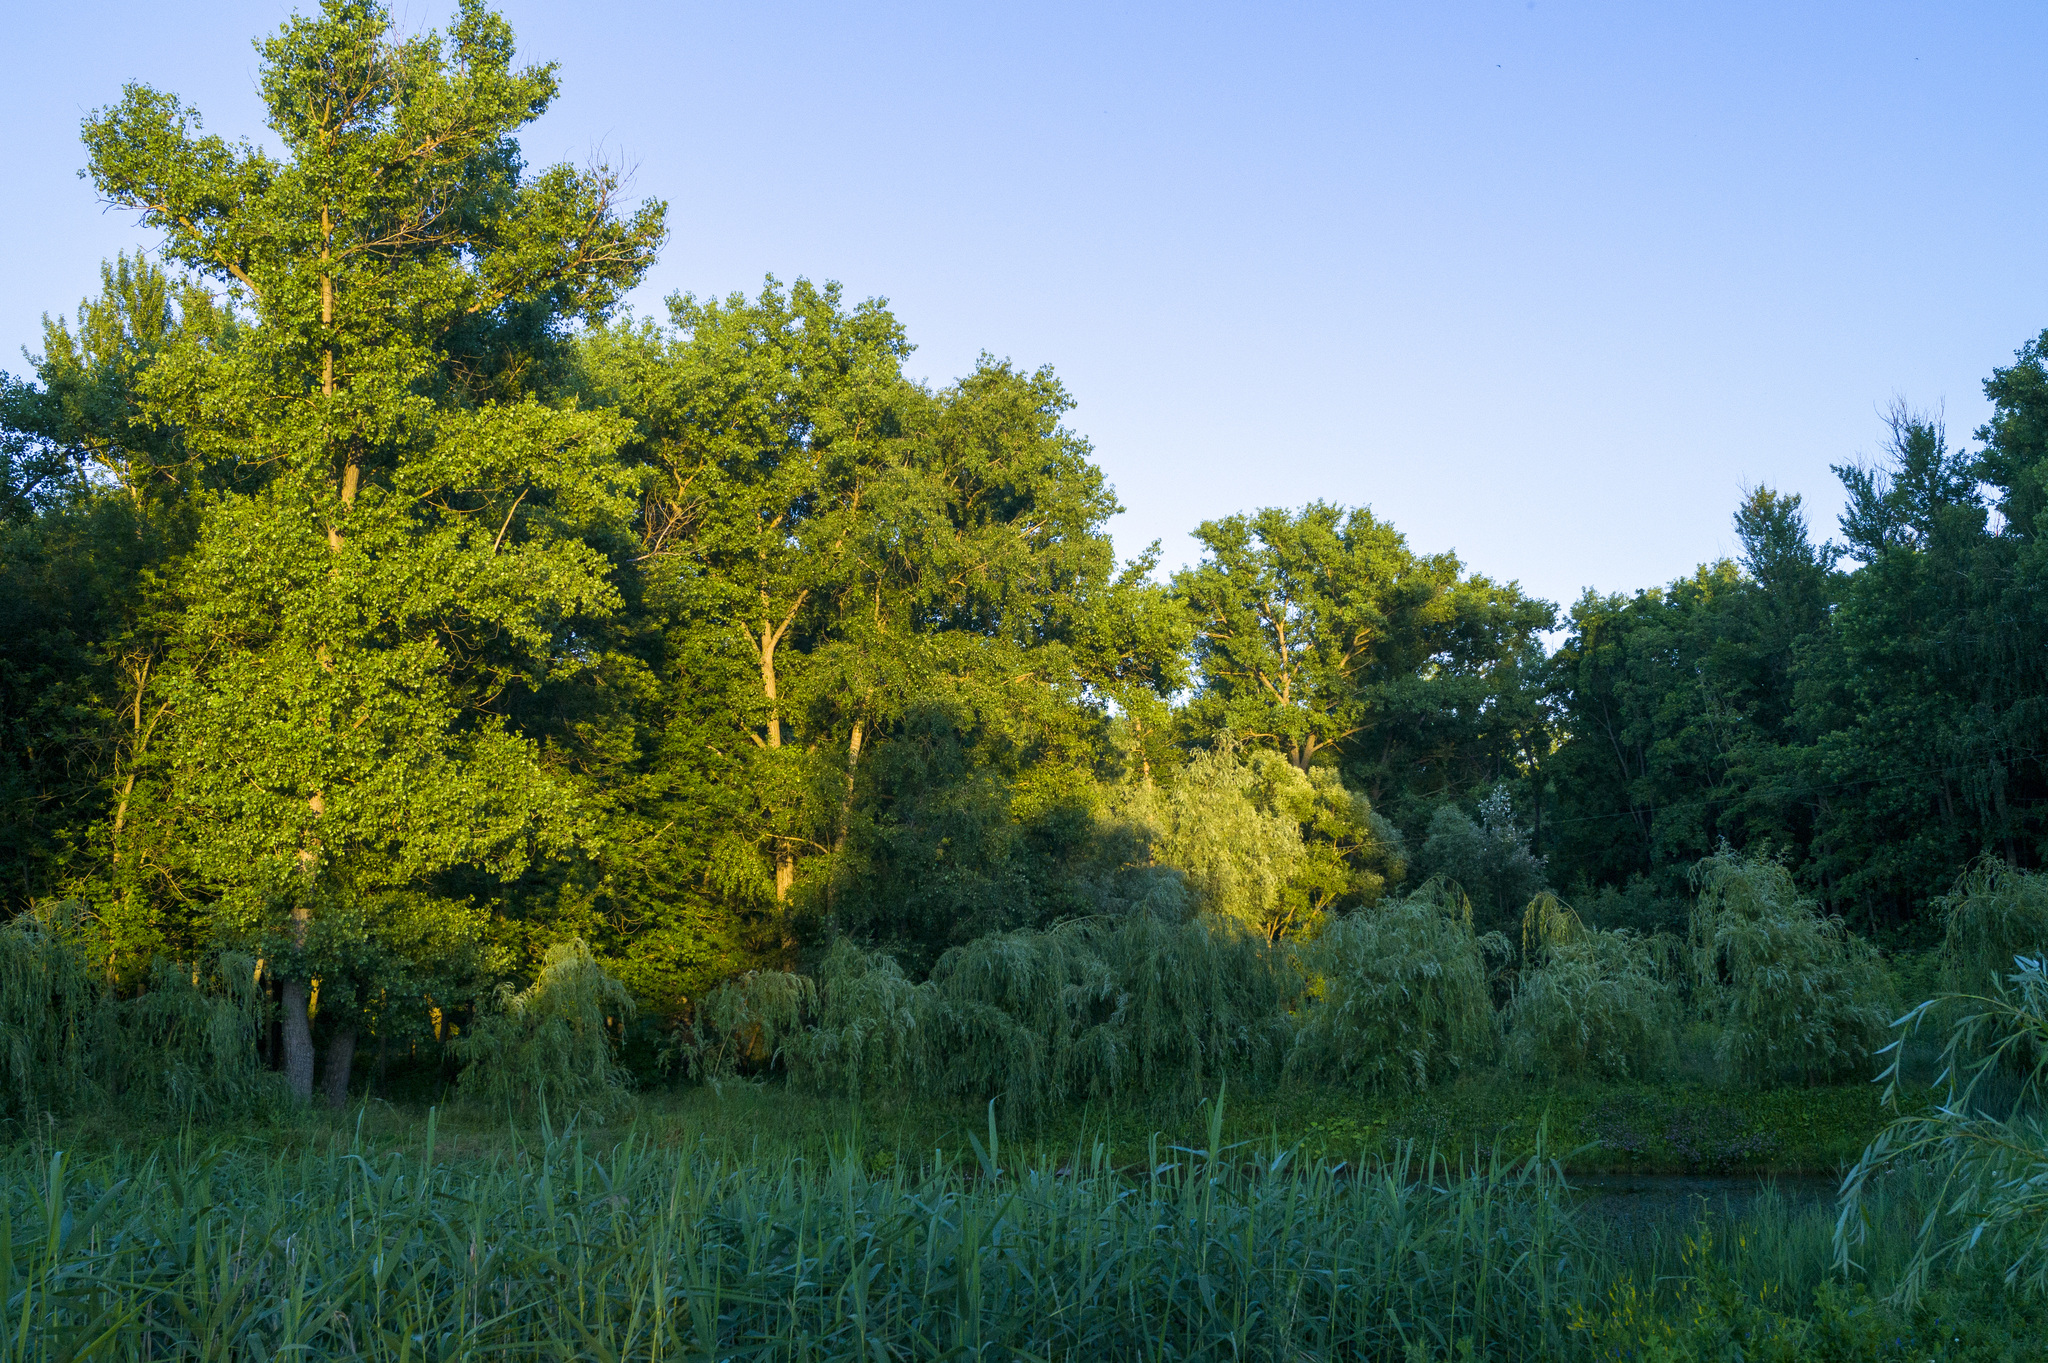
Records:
x=552, y=1248
x=640, y=1252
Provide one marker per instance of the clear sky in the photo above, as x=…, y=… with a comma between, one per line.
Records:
x=1548, y=283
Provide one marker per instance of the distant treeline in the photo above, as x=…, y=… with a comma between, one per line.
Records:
x=380, y=601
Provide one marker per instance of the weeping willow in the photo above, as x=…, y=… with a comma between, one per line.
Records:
x=743, y=1023
x=550, y=1044
x=871, y=1026
x=185, y=1045
x=1201, y=1001
x=1795, y=996
x=190, y=1039
x=1030, y=1019
x=59, y=1028
x=1994, y=915
x=1399, y=995
x=1590, y=1002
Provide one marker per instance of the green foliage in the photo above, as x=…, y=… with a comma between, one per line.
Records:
x=1027, y=1017
x=1138, y=1008
x=185, y=1044
x=744, y=1022
x=188, y=1040
x=871, y=1029
x=1682, y=719
x=1489, y=860
x=1238, y=850
x=1794, y=995
x=57, y=1026
x=1592, y=1001
x=1265, y=844
x=1992, y=1166
x=400, y=536
x=552, y=1044
x=1313, y=628
x=1199, y=1003
x=1994, y=914
x=1400, y=996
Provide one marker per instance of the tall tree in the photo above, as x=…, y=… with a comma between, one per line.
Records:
x=879, y=606
x=1322, y=635
x=405, y=541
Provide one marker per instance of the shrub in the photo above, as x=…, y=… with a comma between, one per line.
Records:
x=1098, y=1007
x=1793, y=995
x=1399, y=995
x=1593, y=1003
x=551, y=1044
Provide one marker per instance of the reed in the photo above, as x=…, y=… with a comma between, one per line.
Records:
x=642, y=1252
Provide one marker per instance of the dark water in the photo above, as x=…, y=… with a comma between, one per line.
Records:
x=1632, y=1202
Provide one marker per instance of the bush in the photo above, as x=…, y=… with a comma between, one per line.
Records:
x=1490, y=859
x=1399, y=995
x=1592, y=1002
x=1219, y=825
x=551, y=1045
x=1793, y=995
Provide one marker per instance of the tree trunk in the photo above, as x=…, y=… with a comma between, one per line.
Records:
x=298, y=1038
x=341, y=1057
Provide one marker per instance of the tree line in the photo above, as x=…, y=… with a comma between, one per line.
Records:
x=384, y=602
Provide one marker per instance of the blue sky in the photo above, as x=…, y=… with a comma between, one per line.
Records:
x=1546, y=283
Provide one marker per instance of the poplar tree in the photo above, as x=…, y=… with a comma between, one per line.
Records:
x=402, y=536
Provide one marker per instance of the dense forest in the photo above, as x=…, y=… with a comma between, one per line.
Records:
x=381, y=599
